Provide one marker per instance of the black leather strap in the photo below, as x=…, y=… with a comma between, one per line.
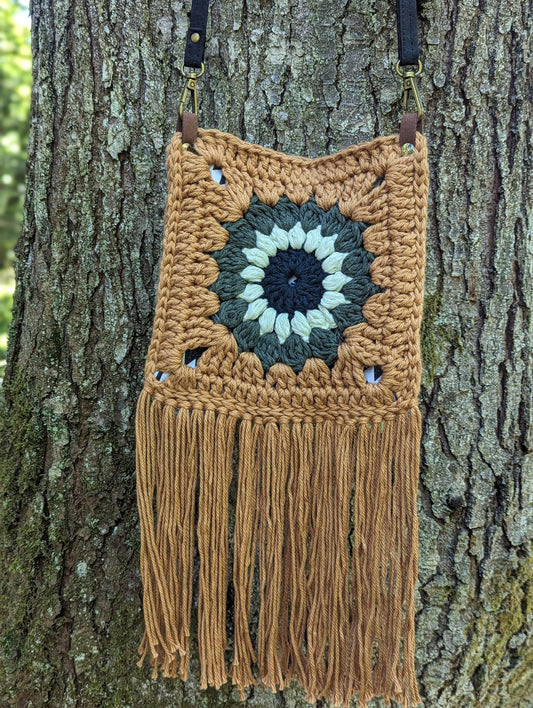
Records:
x=195, y=47
x=408, y=52
x=406, y=16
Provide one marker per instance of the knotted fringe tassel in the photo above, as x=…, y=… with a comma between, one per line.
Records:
x=325, y=518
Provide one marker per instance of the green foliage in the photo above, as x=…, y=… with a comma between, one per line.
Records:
x=7, y=285
x=15, y=90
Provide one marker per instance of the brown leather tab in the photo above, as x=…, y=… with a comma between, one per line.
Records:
x=408, y=127
x=188, y=126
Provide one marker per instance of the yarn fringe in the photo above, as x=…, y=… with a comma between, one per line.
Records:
x=325, y=532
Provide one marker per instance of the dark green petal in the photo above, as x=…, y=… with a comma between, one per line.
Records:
x=259, y=218
x=350, y=237
x=310, y=215
x=324, y=344
x=359, y=290
x=347, y=315
x=247, y=335
x=228, y=285
x=285, y=213
x=240, y=234
x=231, y=313
x=295, y=352
x=268, y=349
x=357, y=263
x=332, y=221
x=231, y=258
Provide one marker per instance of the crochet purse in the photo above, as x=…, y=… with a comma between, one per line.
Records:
x=278, y=430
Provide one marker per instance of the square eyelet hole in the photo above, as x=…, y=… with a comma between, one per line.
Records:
x=373, y=373
x=217, y=175
x=191, y=356
x=161, y=375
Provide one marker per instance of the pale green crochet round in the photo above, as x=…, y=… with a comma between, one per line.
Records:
x=292, y=279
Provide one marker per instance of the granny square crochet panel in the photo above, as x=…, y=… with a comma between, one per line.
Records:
x=312, y=263
x=268, y=464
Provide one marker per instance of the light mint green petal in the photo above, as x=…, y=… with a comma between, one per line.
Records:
x=300, y=325
x=316, y=318
x=333, y=263
x=265, y=243
x=253, y=274
x=256, y=309
x=326, y=247
x=336, y=281
x=252, y=292
x=282, y=327
x=267, y=320
x=332, y=299
x=256, y=256
x=280, y=238
x=330, y=320
x=312, y=240
x=297, y=236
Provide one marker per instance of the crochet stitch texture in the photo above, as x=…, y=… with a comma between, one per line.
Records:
x=291, y=280
x=236, y=384
x=283, y=285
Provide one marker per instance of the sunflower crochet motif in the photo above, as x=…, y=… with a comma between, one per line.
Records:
x=292, y=279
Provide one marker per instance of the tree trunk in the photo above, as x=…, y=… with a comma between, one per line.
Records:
x=306, y=77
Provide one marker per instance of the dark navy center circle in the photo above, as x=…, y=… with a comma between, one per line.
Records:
x=293, y=281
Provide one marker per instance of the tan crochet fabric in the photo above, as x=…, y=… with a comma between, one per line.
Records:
x=324, y=528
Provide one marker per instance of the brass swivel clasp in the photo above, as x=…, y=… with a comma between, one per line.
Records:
x=190, y=89
x=409, y=87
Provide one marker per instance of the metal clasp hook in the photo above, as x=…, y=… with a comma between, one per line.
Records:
x=409, y=87
x=190, y=88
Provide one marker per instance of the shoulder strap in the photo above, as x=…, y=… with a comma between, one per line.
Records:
x=406, y=20
x=195, y=46
x=408, y=55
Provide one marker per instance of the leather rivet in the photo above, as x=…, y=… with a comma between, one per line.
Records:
x=408, y=149
x=195, y=37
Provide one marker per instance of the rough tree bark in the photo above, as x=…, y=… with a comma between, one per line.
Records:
x=307, y=77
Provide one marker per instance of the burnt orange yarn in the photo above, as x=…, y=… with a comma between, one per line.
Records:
x=326, y=482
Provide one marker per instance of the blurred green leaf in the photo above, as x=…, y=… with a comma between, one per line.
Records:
x=15, y=90
x=7, y=286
